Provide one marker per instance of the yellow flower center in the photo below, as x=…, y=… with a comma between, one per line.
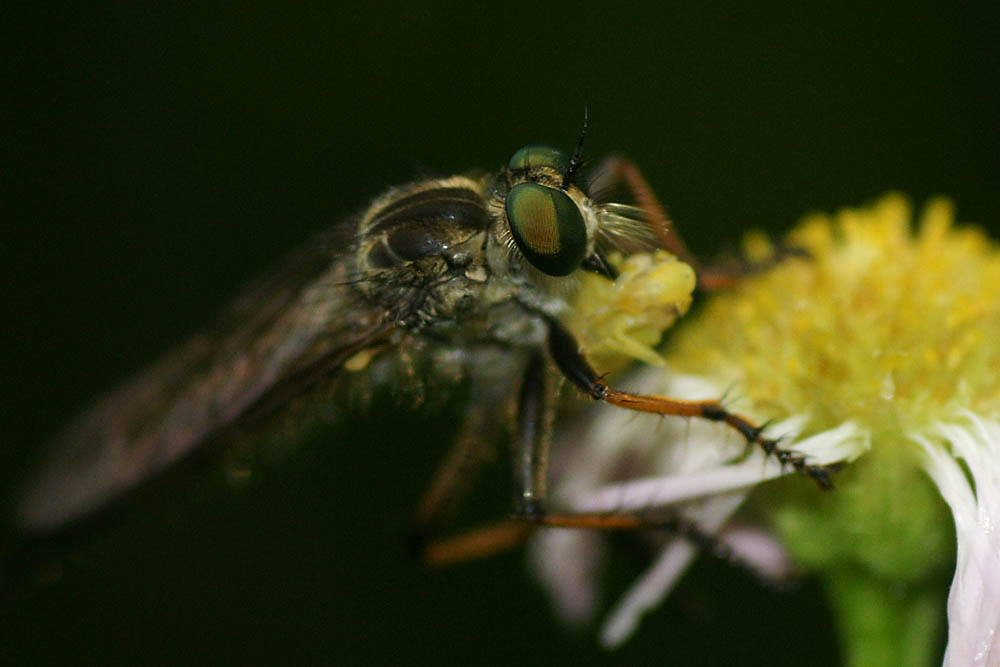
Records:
x=887, y=327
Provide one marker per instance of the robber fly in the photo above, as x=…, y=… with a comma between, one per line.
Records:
x=465, y=278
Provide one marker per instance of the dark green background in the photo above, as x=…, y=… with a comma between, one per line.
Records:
x=158, y=159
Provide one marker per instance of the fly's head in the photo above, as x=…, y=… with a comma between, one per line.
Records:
x=453, y=251
x=550, y=230
x=547, y=220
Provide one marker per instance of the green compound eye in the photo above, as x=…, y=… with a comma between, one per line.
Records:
x=539, y=156
x=548, y=228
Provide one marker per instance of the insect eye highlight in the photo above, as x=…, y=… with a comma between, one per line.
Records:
x=548, y=228
x=530, y=157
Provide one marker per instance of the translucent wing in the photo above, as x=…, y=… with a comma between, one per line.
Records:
x=286, y=332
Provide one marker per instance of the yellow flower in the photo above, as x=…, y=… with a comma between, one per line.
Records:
x=882, y=326
x=884, y=347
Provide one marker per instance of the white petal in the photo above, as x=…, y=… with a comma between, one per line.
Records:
x=974, y=599
x=652, y=587
x=760, y=550
x=844, y=443
x=566, y=562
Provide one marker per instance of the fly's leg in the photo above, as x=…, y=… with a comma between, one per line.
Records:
x=530, y=465
x=476, y=543
x=531, y=448
x=531, y=472
x=617, y=169
x=566, y=353
x=450, y=484
x=486, y=415
x=530, y=461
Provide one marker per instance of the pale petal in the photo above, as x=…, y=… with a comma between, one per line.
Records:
x=974, y=599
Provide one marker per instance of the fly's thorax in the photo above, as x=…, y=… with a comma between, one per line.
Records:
x=421, y=250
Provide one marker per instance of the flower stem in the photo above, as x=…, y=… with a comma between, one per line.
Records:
x=885, y=623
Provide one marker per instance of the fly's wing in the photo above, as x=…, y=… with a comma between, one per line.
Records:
x=289, y=330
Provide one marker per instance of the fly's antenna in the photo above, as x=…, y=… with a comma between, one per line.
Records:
x=577, y=160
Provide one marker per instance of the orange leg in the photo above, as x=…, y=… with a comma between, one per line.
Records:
x=476, y=543
x=494, y=538
x=566, y=353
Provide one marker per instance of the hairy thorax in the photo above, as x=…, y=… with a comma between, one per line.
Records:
x=434, y=257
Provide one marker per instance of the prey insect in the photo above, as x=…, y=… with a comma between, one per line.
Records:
x=467, y=278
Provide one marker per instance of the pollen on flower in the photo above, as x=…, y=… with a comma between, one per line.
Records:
x=883, y=325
